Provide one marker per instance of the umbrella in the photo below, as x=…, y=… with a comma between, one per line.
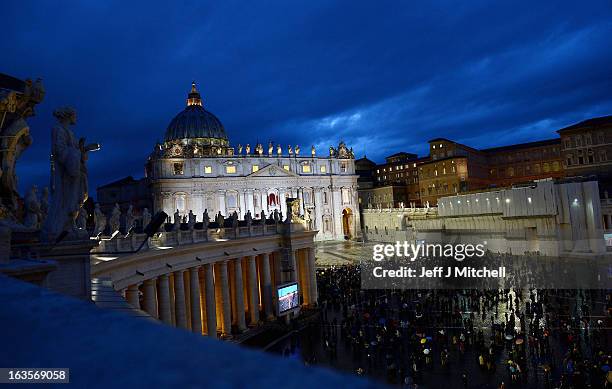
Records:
x=428, y=338
x=423, y=341
x=426, y=351
x=519, y=341
x=509, y=337
x=605, y=368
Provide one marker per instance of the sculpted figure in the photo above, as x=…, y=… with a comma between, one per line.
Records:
x=279, y=150
x=290, y=150
x=312, y=150
x=270, y=148
x=275, y=215
x=81, y=221
x=248, y=218
x=235, y=219
x=129, y=218
x=177, y=219
x=32, y=209
x=239, y=149
x=146, y=217
x=191, y=219
x=115, y=218
x=68, y=174
x=205, y=219
x=297, y=149
x=248, y=149
x=263, y=215
x=99, y=220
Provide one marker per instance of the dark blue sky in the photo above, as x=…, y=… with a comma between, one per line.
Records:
x=383, y=76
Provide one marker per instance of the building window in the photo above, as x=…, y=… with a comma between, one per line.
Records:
x=600, y=137
x=602, y=156
x=272, y=199
x=342, y=167
x=546, y=167
x=286, y=167
x=568, y=144
x=255, y=168
x=555, y=166
x=323, y=169
x=178, y=168
x=346, y=196
x=230, y=169
x=324, y=197
x=587, y=139
x=305, y=168
x=231, y=200
x=207, y=169
x=180, y=203
x=578, y=140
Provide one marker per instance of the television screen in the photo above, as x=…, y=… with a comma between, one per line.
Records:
x=288, y=297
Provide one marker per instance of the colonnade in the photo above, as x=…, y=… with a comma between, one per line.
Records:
x=228, y=296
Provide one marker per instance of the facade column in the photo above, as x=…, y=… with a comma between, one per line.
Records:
x=194, y=286
x=211, y=319
x=266, y=286
x=222, y=203
x=249, y=201
x=264, y=201
x=150, y=297
x=283, y=202
x=239, y=296
x=132, y=297
x=312, y=271
x=292, y=265
x=179, y=299
x=301, y=200
x=222, y=296
x=164, y=299
x=253, y=290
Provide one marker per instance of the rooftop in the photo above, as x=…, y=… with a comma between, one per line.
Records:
x=594, y=122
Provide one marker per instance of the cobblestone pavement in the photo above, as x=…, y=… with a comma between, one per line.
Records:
x=342, y=253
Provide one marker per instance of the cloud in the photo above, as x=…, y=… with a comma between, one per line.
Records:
x=383, y=77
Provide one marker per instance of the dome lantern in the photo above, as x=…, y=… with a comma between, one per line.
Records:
x=194, y=98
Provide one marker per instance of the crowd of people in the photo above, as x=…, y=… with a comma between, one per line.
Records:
x=461, y=338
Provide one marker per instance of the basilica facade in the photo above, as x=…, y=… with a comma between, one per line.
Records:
x=196, y=169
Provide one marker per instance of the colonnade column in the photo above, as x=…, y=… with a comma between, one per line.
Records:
x=266, y=286
x=164, y=300
x=211, y=319
x=194, y=286
x=179, y=299
x=253, y=290
x=239, y=296
x=131, y=295
x=150, y=297
x=312, y=271
x=222, y=202
x=222, y=297
x=292, y=264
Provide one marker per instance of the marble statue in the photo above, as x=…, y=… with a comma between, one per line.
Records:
x=99, y=220
x=332, y=151
x=68, y=174
x=297, y=150
x=239, y=149
x=290, y=149
x=248, y=218
x=81, y=221
x=191, y=220
x=270, y=148
x=248, y=149
x=220, y=220
x=235, y=219
x=275, y=215
x=177, y=219
x=146, y=217
x=129, y=218
x=312, y=150
x=263, y=215
x=205, y=219
x=279, y=150
x=33, y=213
x=115, y=219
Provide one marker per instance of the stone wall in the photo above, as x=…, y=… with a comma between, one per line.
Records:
x=548, y=218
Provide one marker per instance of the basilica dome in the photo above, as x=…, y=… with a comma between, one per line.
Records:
x=194, y=122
